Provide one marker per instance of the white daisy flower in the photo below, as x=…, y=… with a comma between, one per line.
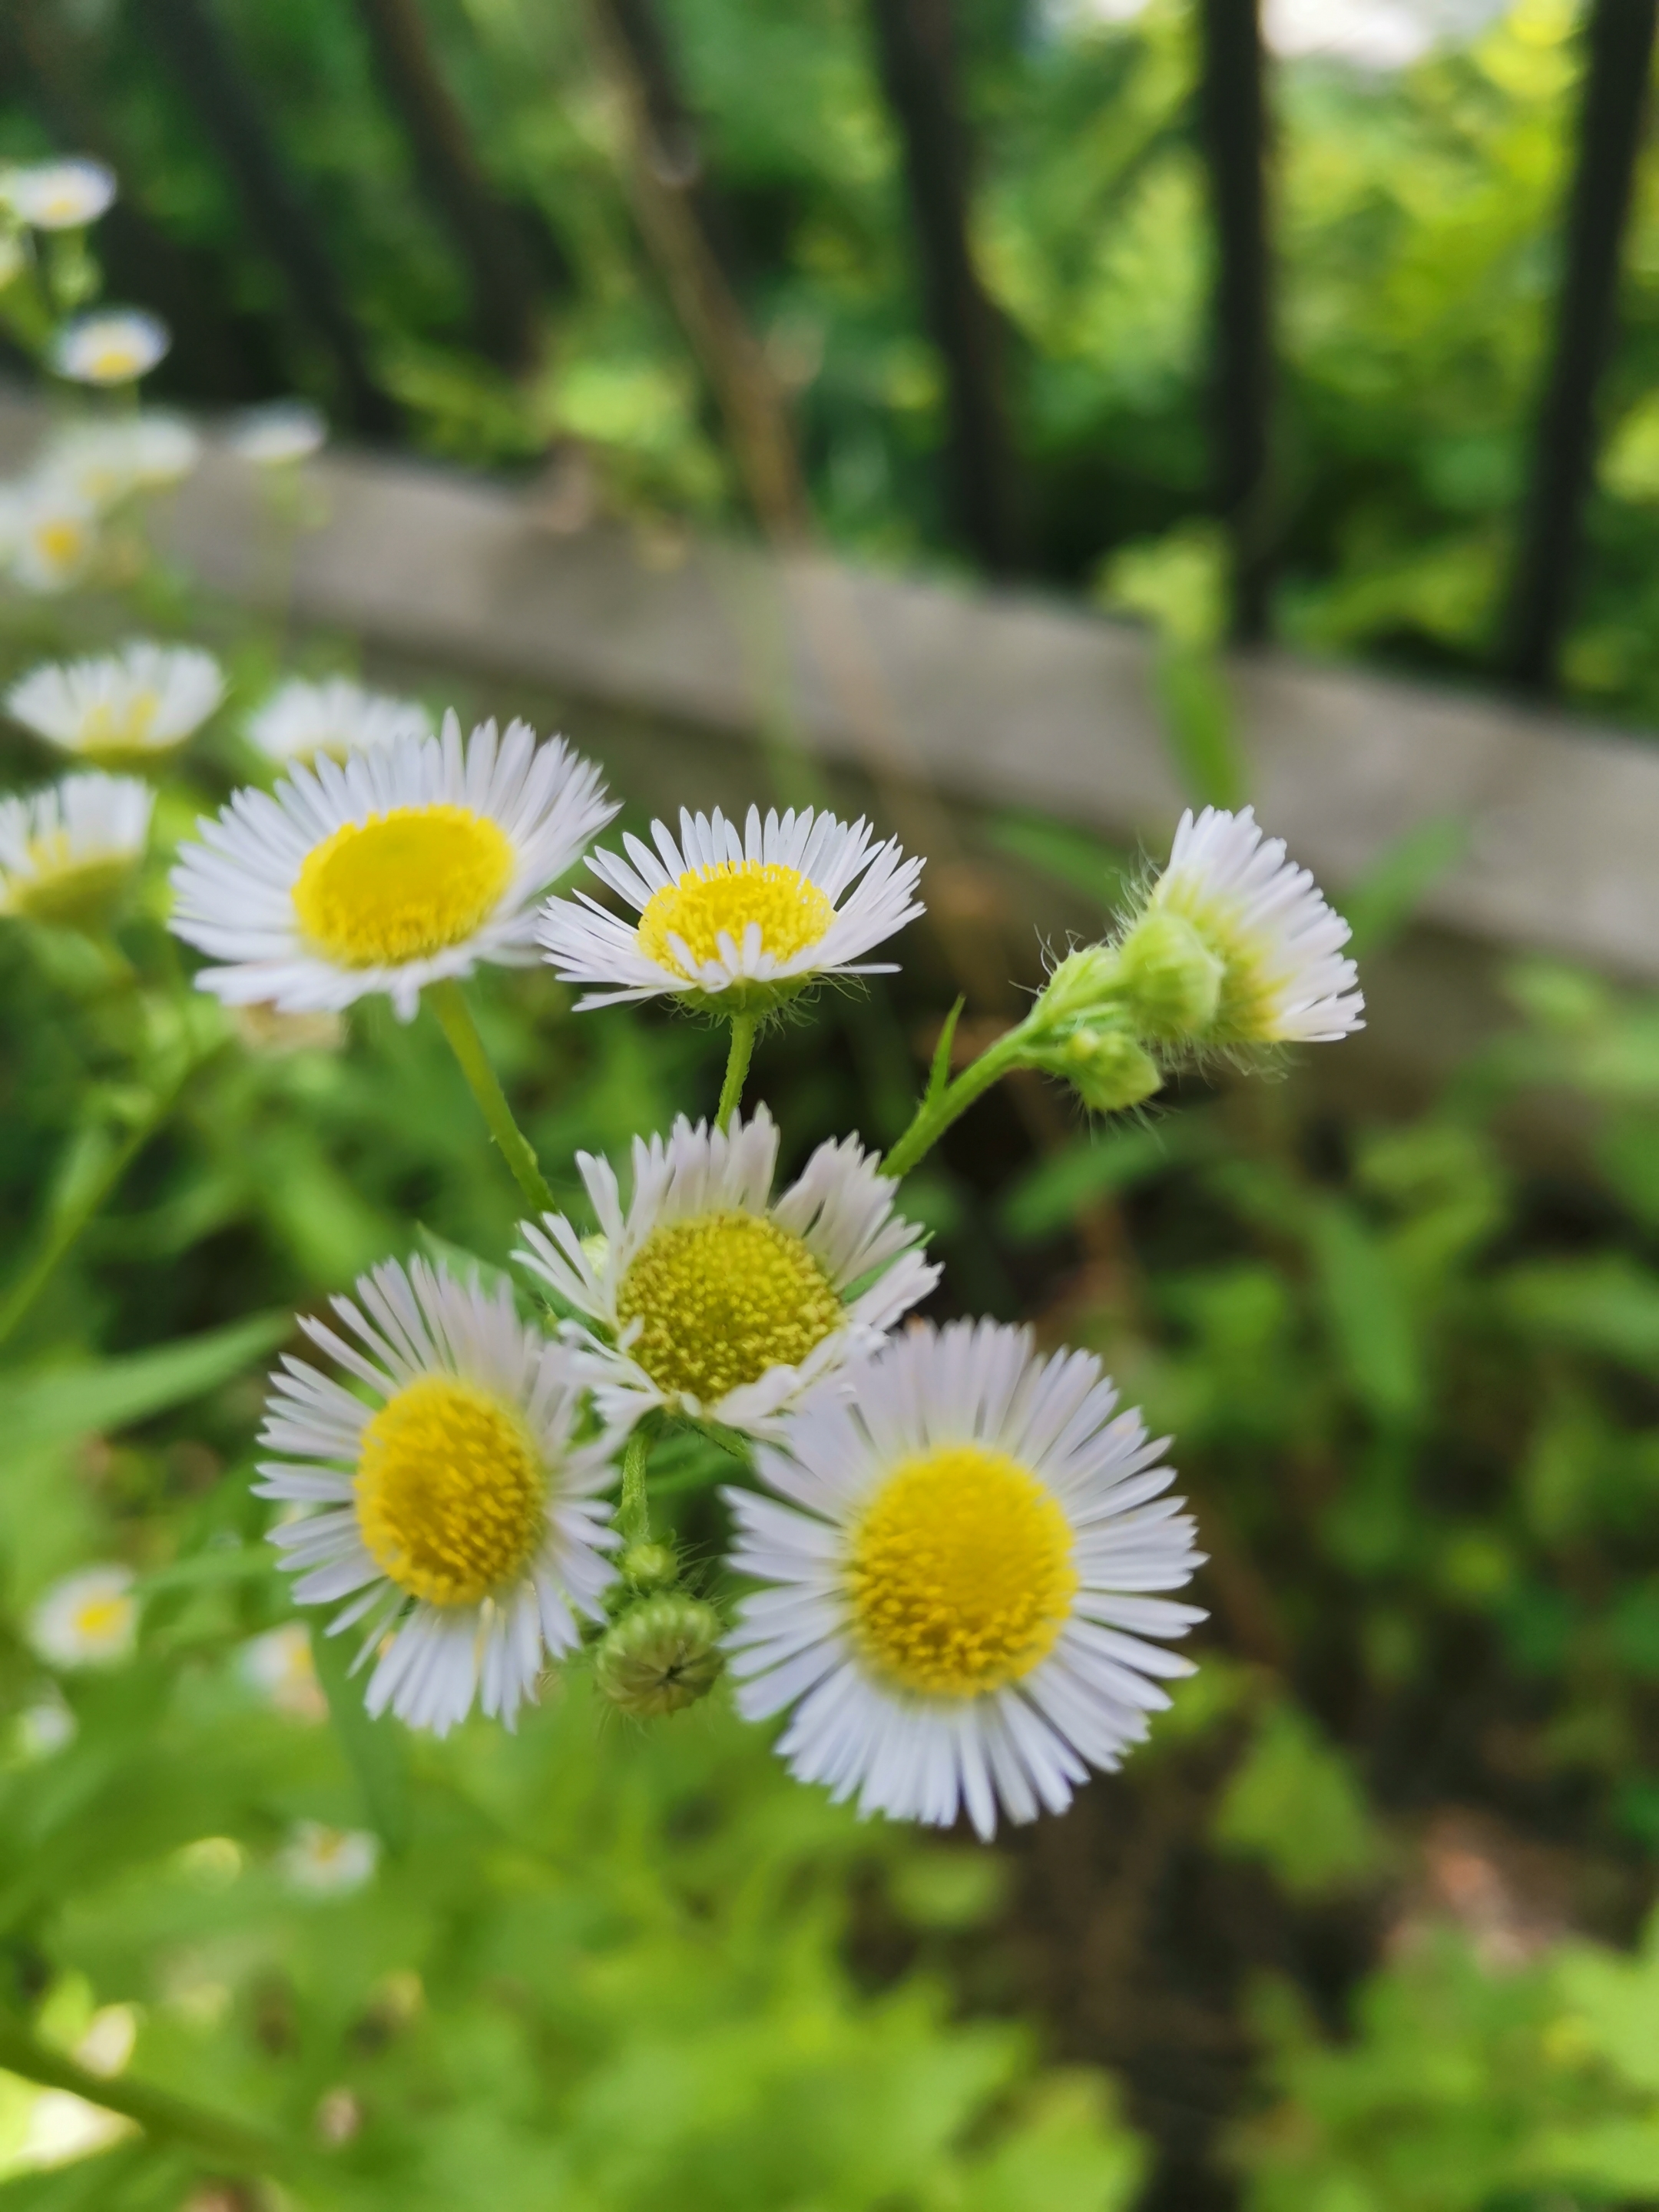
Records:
x=713, y=1299
x=105, y=463
x=274, y=436
x=58, y=195
x=124, y=707
x=87, y=1619
x=398, y=868
x=48, y=534
x=1284, y=978
x=456, y=1511
x=110, y=345
x=280, y=1667
x=324, y=1861
x=67, y=853
x=336, y=717
x=957, y=1606
x=737, y=924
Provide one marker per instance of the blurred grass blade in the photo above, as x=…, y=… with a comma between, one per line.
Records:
x=1048, y=1197
x=1370, y=1321
x=1384, y=901
x=375, y=1749
x=1607, y=1304
x=39, y=1410
x=1199, y=726
x=1075, y=858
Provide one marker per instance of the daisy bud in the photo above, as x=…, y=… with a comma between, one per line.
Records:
x=662, y=1656
x=649, y=1567
x=1103, y=1064
x=1170, y=979
x=1085, y=981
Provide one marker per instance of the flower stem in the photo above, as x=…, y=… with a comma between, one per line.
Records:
x=448, y=1003
x=737, y=1066
x=157, y=2111
x=934, y=1115
x=634, y=1507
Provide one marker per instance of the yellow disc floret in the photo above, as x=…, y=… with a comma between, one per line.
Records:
x=720, y=1298
x=451, y=1491
x=960, y=1573
x=115, y=733
x=402, y=886
x=707, y=903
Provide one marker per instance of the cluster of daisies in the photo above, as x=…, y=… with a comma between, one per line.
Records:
x=58, y=520
x=959, y=1555
x=69, y=850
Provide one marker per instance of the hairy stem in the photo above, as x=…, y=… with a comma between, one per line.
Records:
x=737, y=1066
x=634, y=1507
x=157, y=2111
x=448, y=1002
x=934, y=1115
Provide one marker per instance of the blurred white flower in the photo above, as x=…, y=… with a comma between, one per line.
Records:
x=104, y=462
x=58, y=195
x=287, y=430
x=48, y=533
x=323, y=1862
x=66, y=853
x=87, y=1619
x=46, y=1726
x=279, y=1665
x=124, y=707
x=335, y=717
x=110, y=345
x=62, y=2128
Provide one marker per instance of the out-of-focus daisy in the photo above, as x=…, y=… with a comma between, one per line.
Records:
x=44, y=1728
x=87, y=1619
x=124, y=707
x=279, y=1665
x=1284, y=978
x=48, y=533
x=58, y=195
x=959, y=1580
x=456, y=1512
x=262, y=1030
x=67, y=854
x=335, y=717
x=399, y=867
x=106, y=462
x=272, y=437
x=737, y=924
x=323, y=1862
x=110, y=345
x=713, y=1298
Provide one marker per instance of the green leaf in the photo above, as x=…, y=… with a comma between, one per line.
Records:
x=1049, y=1196
x=53, y=1407
x=1072, y=857
x=1199, y=726
x=376, y=1750
x=1293, y=1802
x=1365, y=1307
x=938, y=1075
x=1608, y=1304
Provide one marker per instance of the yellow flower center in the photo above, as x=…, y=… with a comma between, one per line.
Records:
x=723, y=1296
x=451, y=1491
x=112, y=360
x=102, y=1618
x=60, y=543
x=706, y=903
x=120, y=728
x=402, y=885
x=960, y=1573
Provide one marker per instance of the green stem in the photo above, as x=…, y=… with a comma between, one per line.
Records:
x=934, y=1115
x=737, y=1066
x=634, y=1507
x=448, y=1002
x=61, y=1239
x=157, y=2111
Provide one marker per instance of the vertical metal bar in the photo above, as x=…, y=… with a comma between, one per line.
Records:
x=231, y=114
x=1619, y=38
x=497, y=266
x=1233, y=119
x=915, y=45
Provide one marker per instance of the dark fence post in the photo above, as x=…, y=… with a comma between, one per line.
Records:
x=916, y=44
x=1619, y=59
x=497, y=266
x=229, y=111
x=1233, y=116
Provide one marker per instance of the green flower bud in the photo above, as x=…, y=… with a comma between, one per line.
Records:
x=649, y=1567
x=1085, y=982
x=1170, y=979
x=664, y=1654
x=1107, y=1068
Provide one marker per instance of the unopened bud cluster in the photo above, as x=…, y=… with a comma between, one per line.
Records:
x=662, y=1652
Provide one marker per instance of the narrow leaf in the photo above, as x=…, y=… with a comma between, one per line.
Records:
x=375, y=1749
x=39, y=1409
